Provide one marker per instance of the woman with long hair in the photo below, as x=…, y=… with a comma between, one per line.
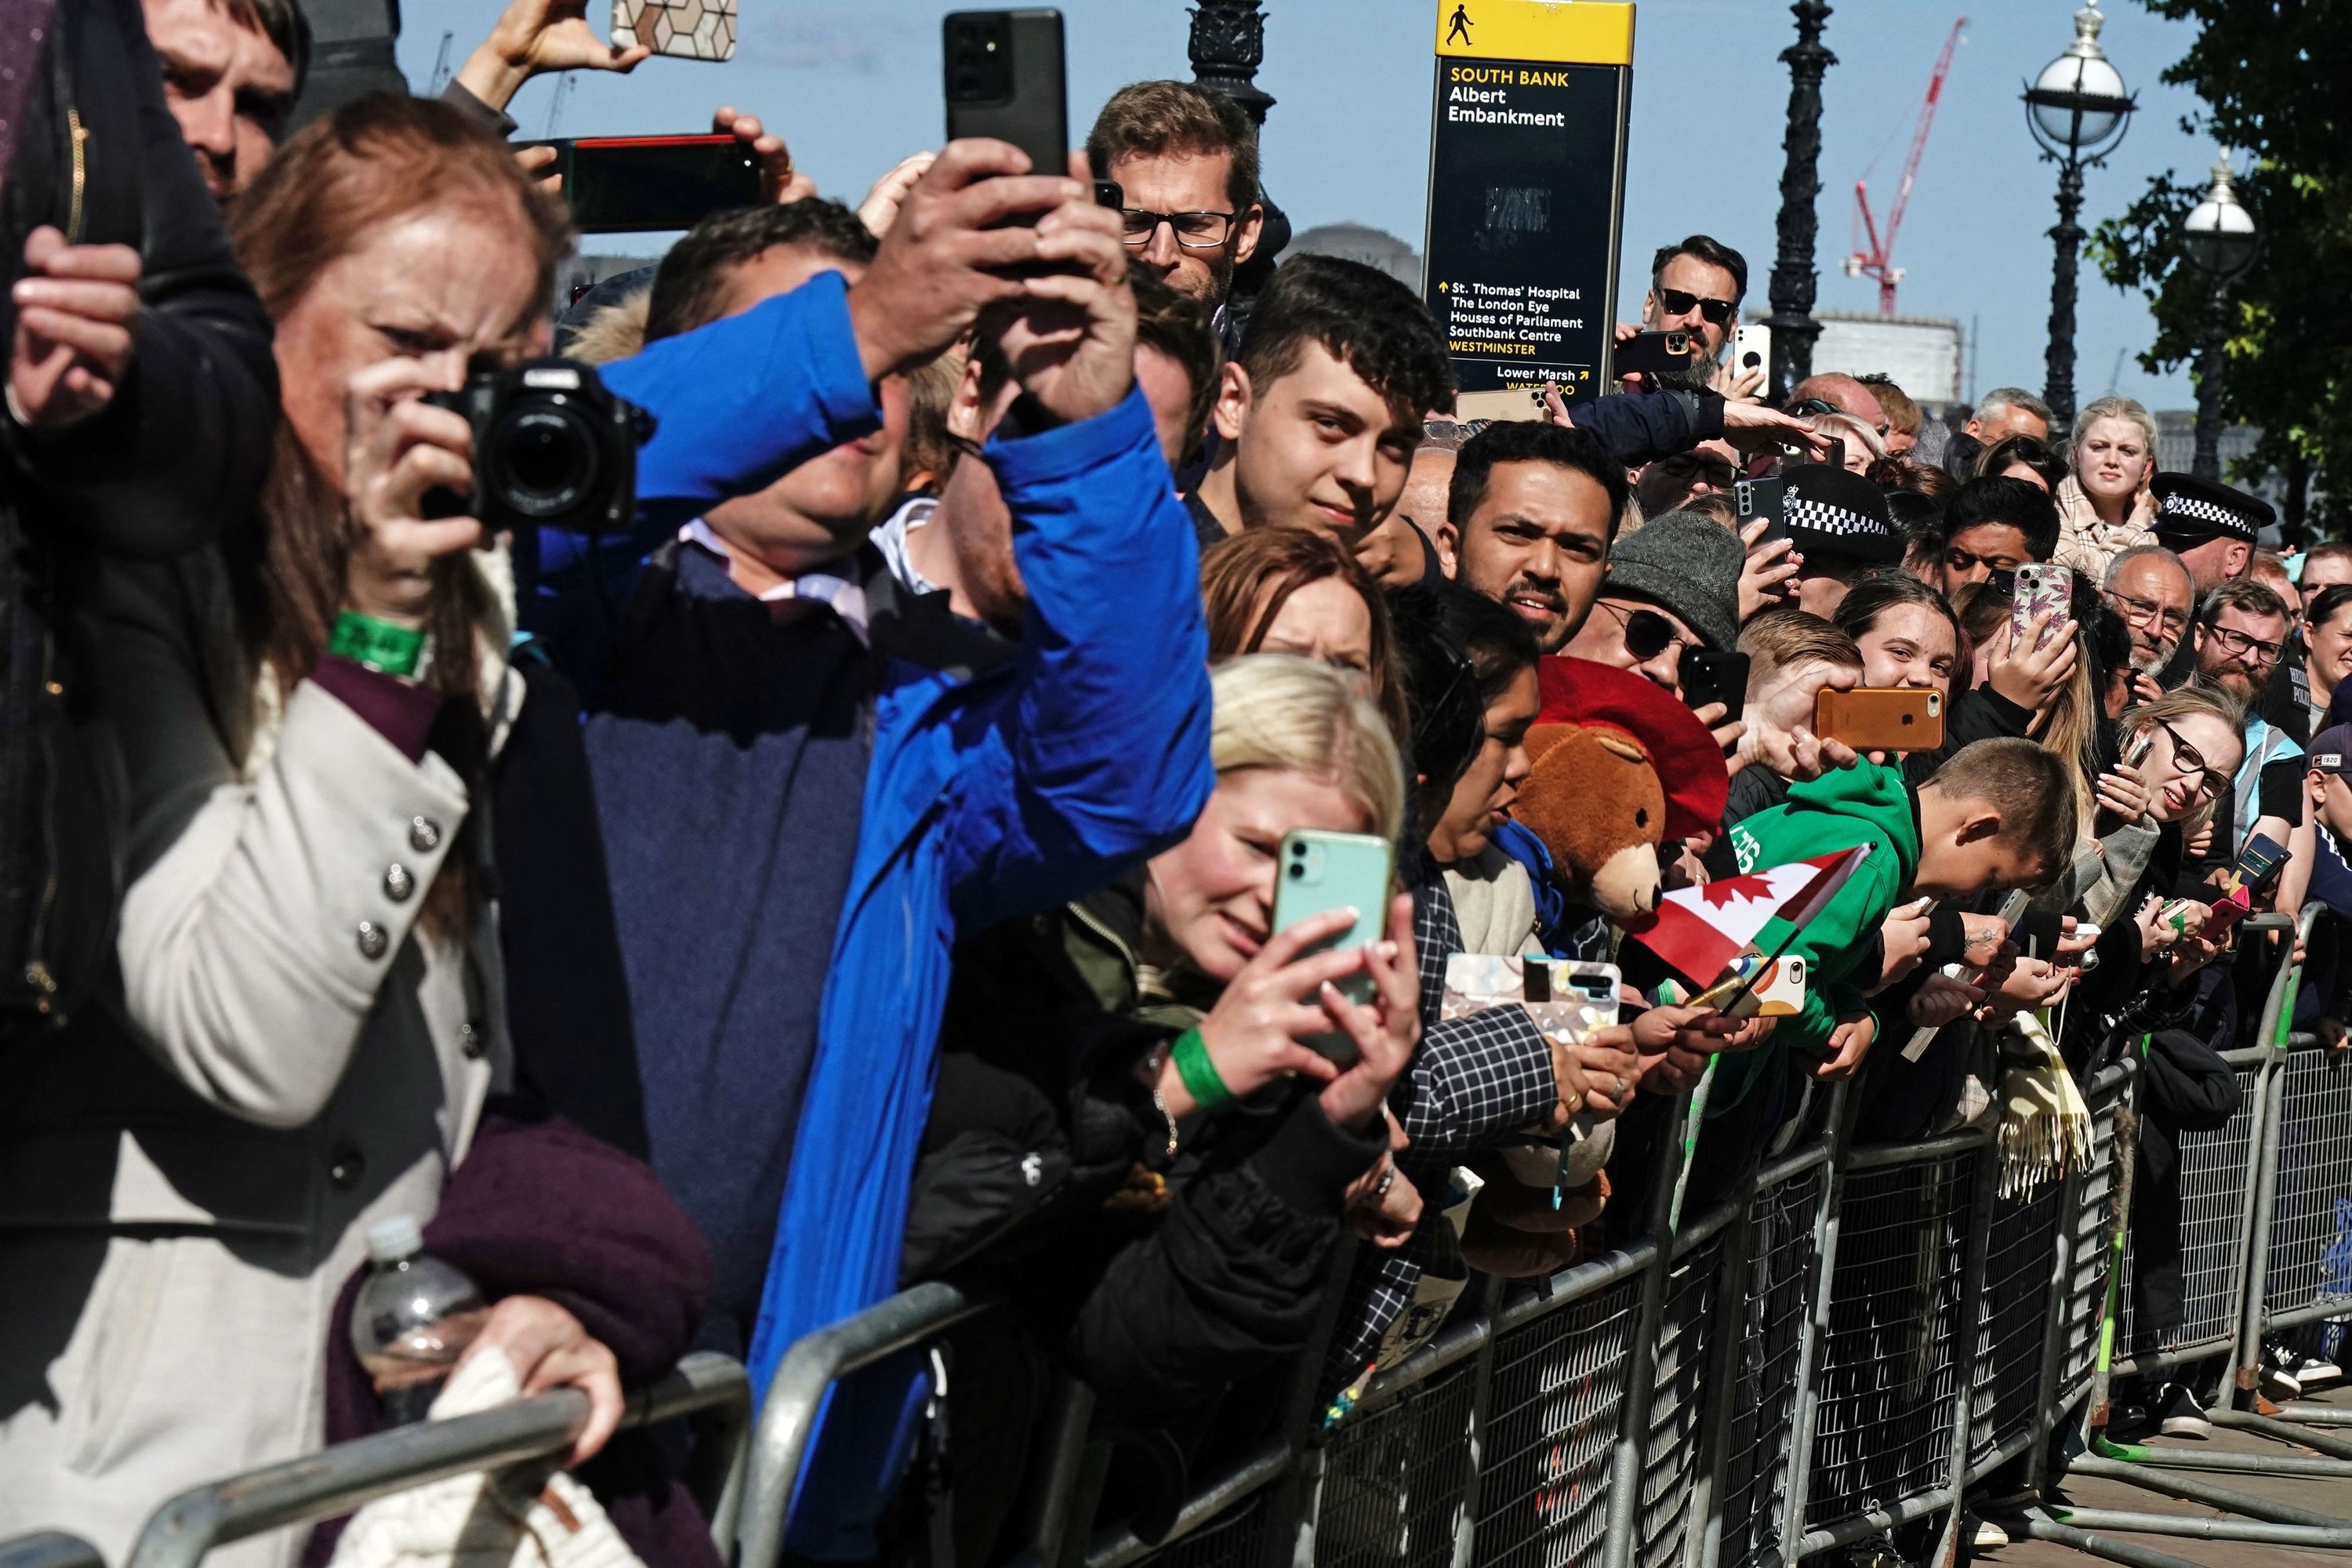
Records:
x=312, y=1016
x=2328, y=648
x=2104, y=504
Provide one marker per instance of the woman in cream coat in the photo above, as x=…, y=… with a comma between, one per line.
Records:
x=308, y=1017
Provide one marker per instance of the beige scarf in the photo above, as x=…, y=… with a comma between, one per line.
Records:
x=2088, y=544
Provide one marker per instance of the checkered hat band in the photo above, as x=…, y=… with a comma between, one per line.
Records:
x=1828, y=517
x=2194, y=509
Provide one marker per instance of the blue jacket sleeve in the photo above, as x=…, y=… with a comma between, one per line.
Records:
x=1639, y=427
x=741, y=401
x=1104, y=737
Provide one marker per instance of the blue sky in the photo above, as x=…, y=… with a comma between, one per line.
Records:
x=854, y=84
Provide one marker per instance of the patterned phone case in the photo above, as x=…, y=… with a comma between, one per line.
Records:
x=2042, y=590
x=688, y=29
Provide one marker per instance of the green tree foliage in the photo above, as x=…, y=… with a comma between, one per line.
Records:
x=2275, y=76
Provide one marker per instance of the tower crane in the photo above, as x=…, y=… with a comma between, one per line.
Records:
x=1873, y=251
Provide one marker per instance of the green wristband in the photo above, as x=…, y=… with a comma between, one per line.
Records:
x=378, y=645
x=1200, y=1074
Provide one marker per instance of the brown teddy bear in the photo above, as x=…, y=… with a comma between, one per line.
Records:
x=1620, y=768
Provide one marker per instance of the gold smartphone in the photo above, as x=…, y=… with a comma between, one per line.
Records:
x=1881, y=718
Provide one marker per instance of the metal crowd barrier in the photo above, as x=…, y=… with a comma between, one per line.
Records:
x=336, y=1480
x=1848, y=1344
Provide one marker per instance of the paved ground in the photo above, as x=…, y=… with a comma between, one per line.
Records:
x=2329, y=1497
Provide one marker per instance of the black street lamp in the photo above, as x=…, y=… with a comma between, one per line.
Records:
x=1226, y=47
x=1793, y=277
x=2078, y=110
x=2219, y=239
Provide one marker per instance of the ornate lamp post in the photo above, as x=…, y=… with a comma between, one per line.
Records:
x=2078, y=110
x=2219, y=239
x=1226, y=47
x=1793, y=277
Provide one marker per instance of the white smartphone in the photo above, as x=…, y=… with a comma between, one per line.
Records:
x=1751, y=349
x=685, y=29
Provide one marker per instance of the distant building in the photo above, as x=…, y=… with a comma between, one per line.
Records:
x=1920, y=353
x=1356, y=242
x=576, y=275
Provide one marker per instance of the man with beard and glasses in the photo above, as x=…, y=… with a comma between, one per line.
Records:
x=1534, y=508
x=2150, y=587
x=1185, y=160
x=2239, y=635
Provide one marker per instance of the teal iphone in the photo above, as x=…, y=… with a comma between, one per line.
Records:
x=1320, y=871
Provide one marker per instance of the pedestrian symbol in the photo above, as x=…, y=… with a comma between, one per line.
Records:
x=1461, y=28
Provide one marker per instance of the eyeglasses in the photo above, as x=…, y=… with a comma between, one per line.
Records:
x=2238, y=645
x=2189, y=760
x=1194, y=231
x=2140, y=612
x=1959, y=560
x=1647, y=633
x=1714, y=312
x=1683, y=467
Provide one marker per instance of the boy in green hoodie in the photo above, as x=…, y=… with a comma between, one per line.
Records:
x=1999, y=814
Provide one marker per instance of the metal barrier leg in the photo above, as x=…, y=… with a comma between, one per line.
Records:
x=49, y=1549
x=1634, y=1414
x=1972, y=1289
x=1814, y=1329
x=2278, y=1015
x=1704, y=1539
x=2039, y=1528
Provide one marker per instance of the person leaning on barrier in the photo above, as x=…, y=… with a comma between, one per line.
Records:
x=306, y=1027
x=1134, y=1138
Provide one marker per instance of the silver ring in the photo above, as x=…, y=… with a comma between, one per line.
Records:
x=1388, y=1179
x=1619, y=1078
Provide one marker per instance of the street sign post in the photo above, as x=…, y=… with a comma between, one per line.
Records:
x=1527, y=184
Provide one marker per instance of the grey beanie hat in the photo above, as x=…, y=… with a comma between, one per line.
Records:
x=1687, y=564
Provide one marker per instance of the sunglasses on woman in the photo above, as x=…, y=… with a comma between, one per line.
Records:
x=1647, y=633
x=1714, y=312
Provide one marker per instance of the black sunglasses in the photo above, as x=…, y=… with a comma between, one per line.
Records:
x=1714, y=312
x=1647, y=633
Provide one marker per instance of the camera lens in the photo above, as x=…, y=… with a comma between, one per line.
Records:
x=544, y=459
x=1296, y=869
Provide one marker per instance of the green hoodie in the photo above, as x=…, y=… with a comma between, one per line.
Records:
x=1861, y=805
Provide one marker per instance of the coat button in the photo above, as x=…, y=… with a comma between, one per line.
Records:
x=423, y=835
x=372, y=940
x=471, y=1040
x=346, y=1164
x=397, y=883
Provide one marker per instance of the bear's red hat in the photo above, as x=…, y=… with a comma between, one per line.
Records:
x=1688, y=763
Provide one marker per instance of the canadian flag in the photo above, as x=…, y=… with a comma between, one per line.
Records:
x=1699, y=931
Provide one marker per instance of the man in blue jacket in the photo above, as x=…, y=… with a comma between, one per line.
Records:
x=829, y=779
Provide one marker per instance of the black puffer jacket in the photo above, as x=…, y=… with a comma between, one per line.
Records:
x=1045, y=1174
x=182, y=448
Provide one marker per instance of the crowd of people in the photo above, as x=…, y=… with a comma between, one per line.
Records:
x=861, y=868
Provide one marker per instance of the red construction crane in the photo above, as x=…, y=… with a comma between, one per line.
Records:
x=1873, y=252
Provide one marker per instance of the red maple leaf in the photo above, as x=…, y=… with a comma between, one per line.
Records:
x=1722, y=894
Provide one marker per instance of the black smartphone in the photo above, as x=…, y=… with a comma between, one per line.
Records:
x=1753, y=499
x=1653, y=353
x=1712, y=675
x=638, y=185
x=1004, y=80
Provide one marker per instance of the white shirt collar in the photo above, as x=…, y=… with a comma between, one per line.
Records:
x=845, y=596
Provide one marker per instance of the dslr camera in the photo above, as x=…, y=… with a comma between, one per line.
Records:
x=552, y=448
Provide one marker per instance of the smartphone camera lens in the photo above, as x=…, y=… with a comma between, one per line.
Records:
x=1297, y=870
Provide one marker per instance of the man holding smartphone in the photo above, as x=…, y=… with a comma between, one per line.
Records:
x=1185, y=161
x=1696, y=287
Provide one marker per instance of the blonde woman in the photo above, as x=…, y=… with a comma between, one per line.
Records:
x=2103, y=505
x=1130, y=1137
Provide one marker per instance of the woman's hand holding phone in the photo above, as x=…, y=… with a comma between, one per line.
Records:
x=1253, y=1032
x=2123, y=791
x=2033, y=669
x=1385, y=1031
